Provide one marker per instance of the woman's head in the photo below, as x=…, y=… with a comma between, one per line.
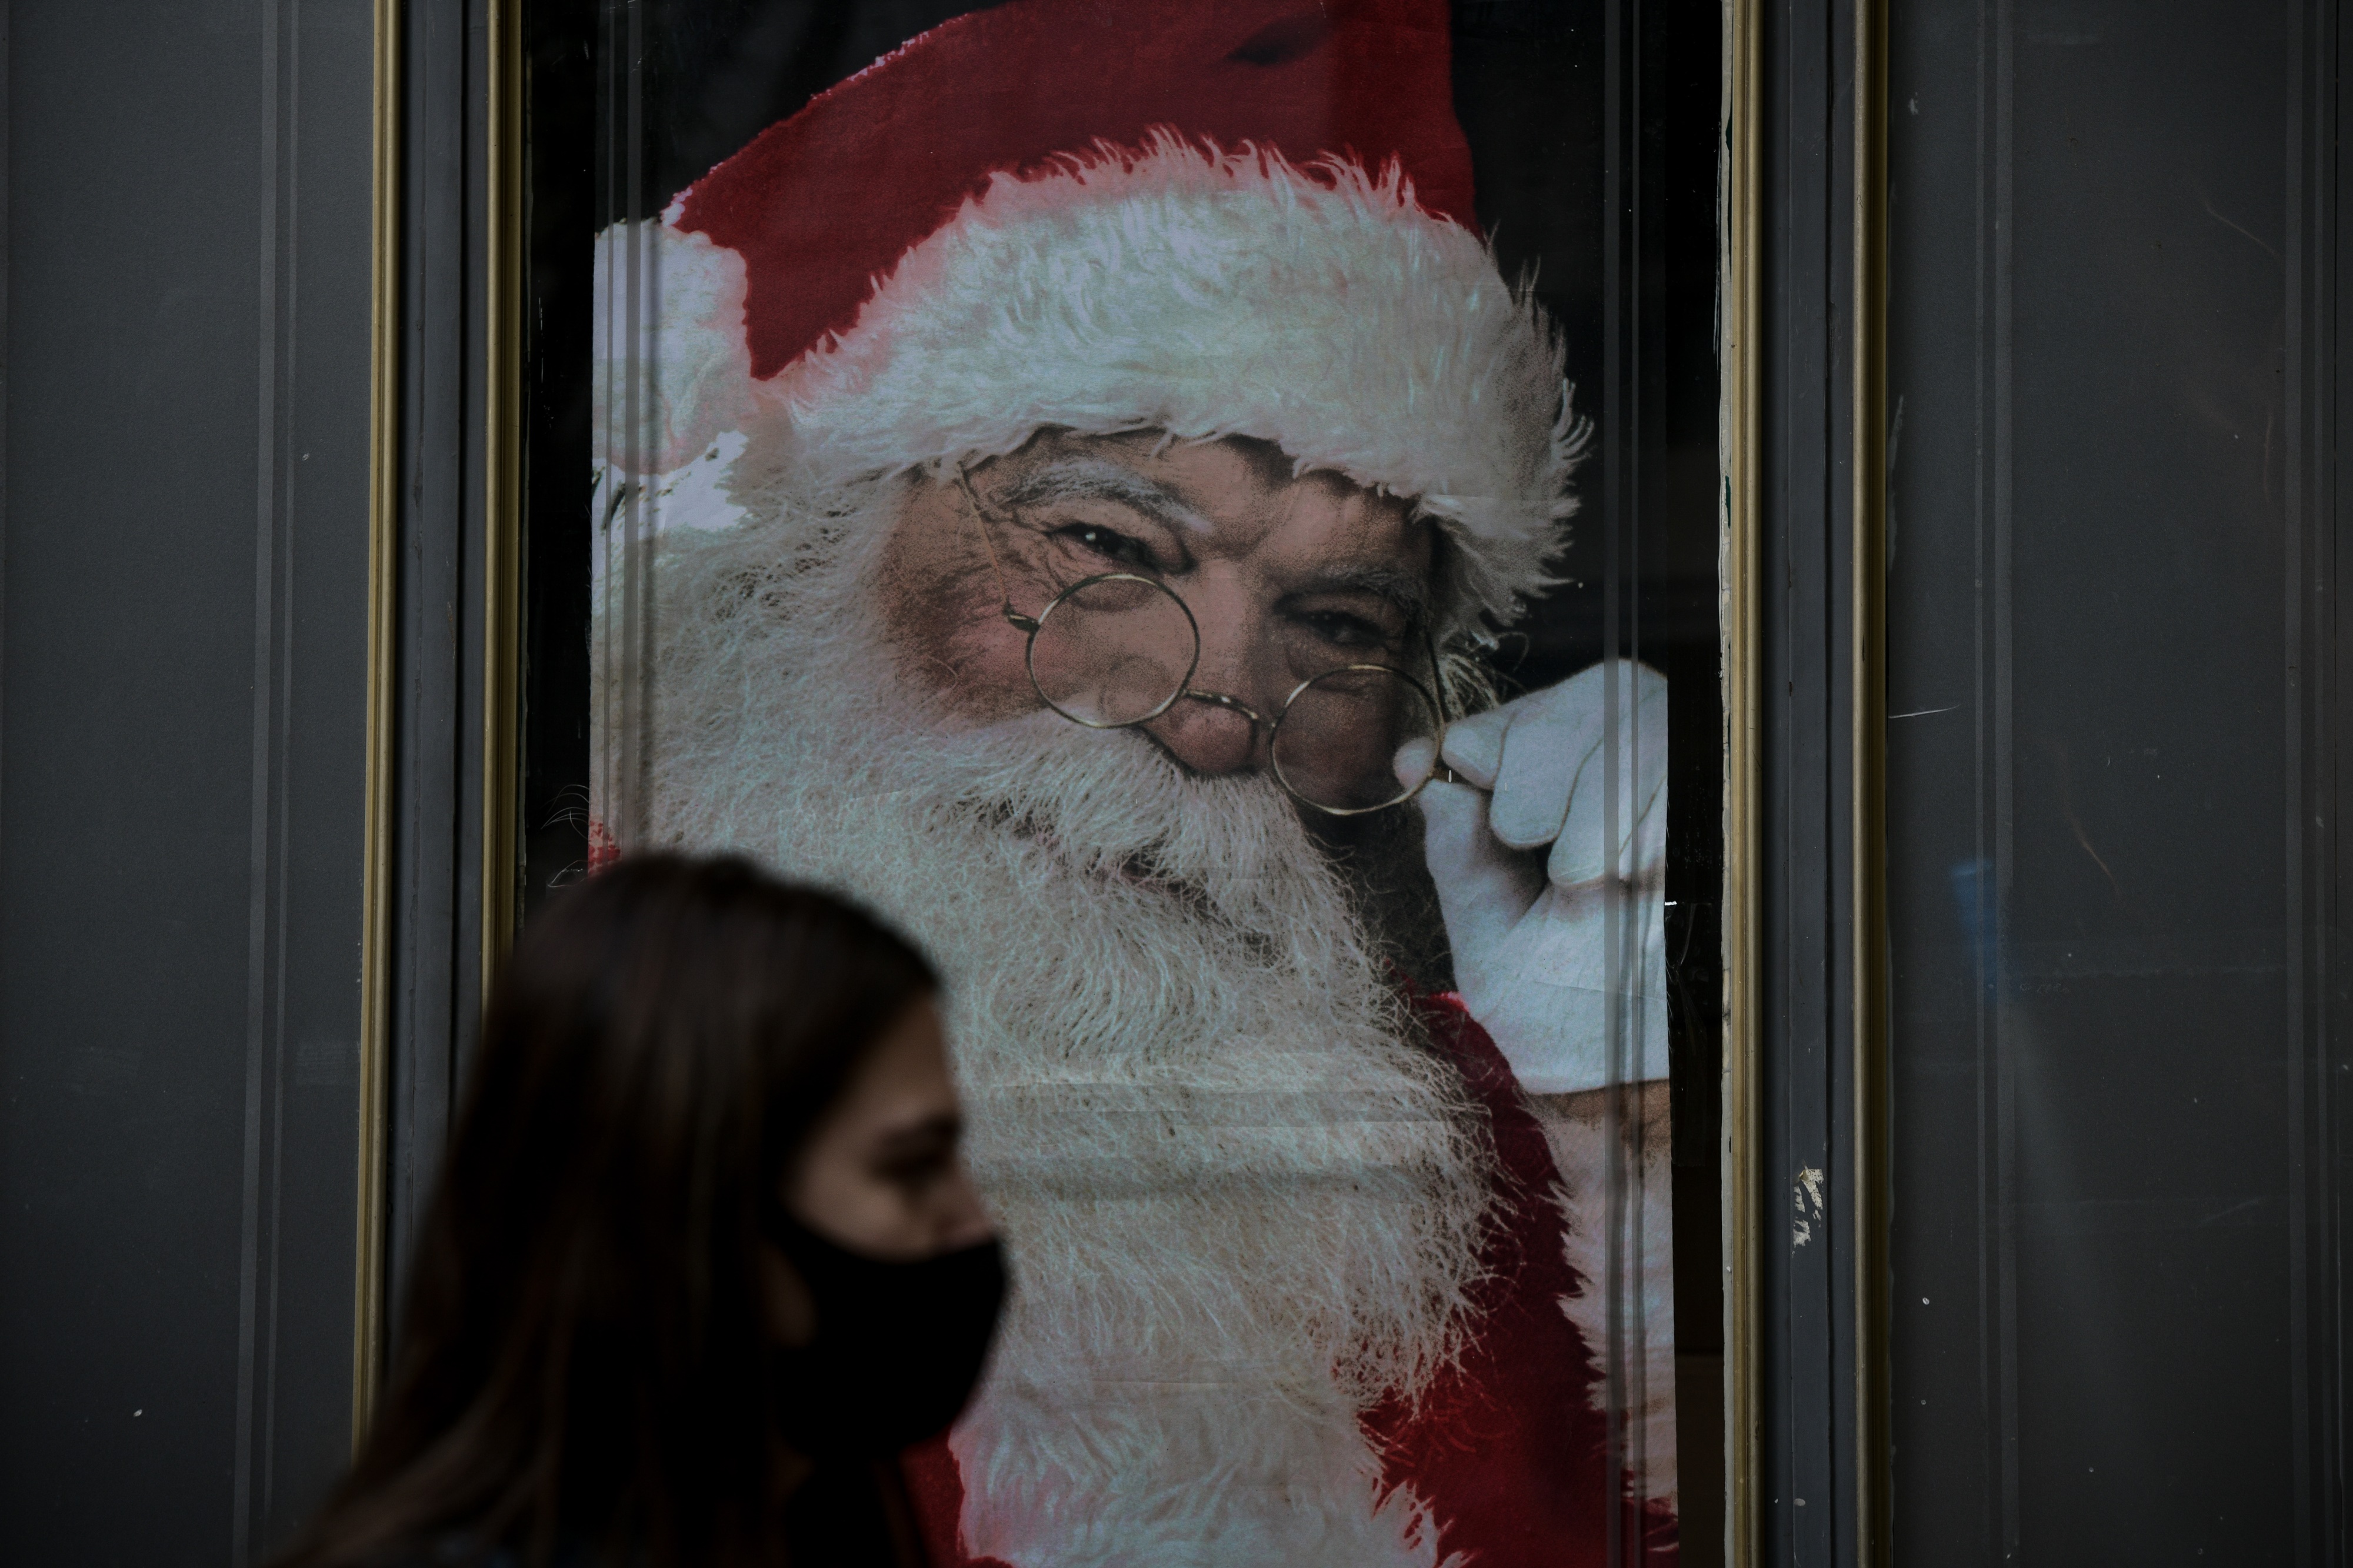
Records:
x=666, y=1038
x=685, y=1065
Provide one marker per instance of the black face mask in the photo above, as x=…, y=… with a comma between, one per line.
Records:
x=899, y=1346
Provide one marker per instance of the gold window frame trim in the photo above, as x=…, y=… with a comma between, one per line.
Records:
x=502, y=608
x=1738, y=201
x=368, y=1304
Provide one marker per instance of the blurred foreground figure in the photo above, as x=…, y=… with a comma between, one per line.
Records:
x=703, y=1257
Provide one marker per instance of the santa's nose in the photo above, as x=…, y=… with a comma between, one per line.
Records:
x=1215, y=728
x=1211, y=732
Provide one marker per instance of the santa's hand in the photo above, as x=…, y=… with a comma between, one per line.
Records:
x=1552, y=882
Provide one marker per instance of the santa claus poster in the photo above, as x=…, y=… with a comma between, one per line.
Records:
x=1077, y=483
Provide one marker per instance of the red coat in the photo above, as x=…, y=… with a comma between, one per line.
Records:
x=1507, y=1450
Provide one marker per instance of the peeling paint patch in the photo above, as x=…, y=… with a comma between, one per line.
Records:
x=1807, y=1194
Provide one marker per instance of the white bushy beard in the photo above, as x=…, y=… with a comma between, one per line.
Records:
x=1242, y=1199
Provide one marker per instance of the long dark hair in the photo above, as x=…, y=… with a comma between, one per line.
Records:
x=585, y=1360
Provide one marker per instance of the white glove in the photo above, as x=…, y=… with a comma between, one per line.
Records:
x=1549, y=956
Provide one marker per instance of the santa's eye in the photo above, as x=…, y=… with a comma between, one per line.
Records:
x=1118, y=551
x=1341, y=629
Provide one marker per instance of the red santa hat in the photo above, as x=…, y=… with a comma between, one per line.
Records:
x=1210, y=217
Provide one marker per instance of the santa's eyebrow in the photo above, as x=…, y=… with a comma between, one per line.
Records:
x=1092, y=478
x=1406, y=591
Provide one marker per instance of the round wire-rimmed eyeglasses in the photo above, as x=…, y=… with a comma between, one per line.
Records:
x=1118, y=649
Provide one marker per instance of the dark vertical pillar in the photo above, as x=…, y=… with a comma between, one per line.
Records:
x=1804, y=1145
x=436, y=928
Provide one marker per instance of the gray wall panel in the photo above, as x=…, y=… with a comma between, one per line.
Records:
x=181, y=770
x=436, y=963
